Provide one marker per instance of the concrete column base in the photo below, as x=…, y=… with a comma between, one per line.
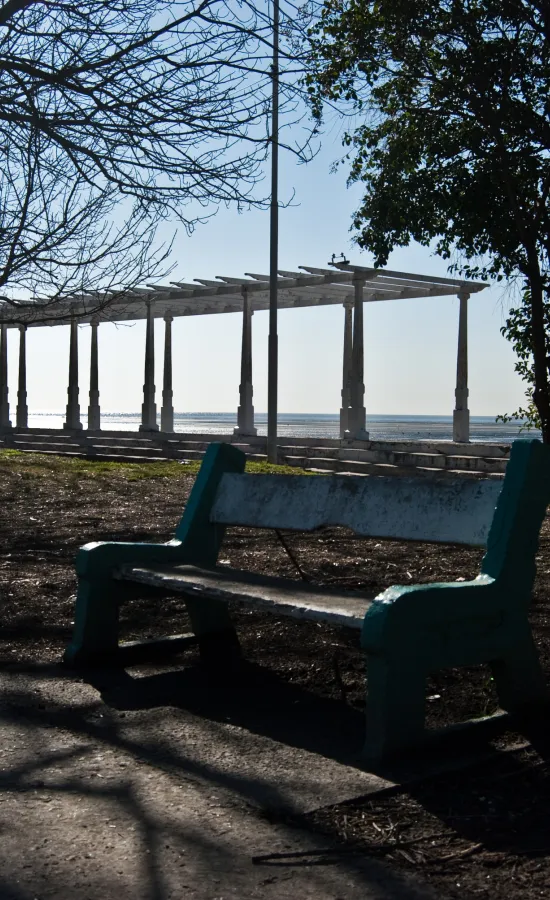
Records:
x=94, y=418
x=356, y=430
x=94, y=412
x=22, y=411
x=5, y=415
x=149, y=425
x=5, y=421
x=72, y=421
x=167, y=417
x=461, y=426
x=149, y=414
x=344, y=420
x=22, y=416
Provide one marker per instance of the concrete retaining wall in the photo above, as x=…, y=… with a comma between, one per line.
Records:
x=366, y=457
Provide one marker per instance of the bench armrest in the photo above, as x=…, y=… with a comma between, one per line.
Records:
x=100, y=558
x=401, y=613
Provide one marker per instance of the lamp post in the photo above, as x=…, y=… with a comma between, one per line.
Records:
x=272, y=371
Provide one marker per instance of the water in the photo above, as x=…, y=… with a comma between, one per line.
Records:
x=384, y=428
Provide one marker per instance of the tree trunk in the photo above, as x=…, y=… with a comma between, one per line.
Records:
x=541, y=393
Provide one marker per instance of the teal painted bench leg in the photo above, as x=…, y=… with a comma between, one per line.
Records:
x=396, y=689
x=211, y=623
x=95, y=634
x=518, y=674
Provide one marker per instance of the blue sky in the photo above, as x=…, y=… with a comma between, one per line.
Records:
x=410, y=345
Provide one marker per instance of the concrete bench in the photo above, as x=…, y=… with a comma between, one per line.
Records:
x=406, y=632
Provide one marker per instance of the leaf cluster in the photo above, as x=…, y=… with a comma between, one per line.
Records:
x=456, y=138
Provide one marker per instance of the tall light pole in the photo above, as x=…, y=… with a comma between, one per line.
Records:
x=272, y=372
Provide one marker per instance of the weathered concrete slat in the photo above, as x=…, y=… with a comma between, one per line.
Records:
x=454, y=511
x=274, y=595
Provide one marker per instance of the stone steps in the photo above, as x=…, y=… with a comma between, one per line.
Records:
x=462, y=462
x=325, y=456
x=440, y=461
x=338, y=466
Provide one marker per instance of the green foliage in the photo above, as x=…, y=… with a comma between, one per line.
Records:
x=517, y=330
x=40, y=465
x=453, y=146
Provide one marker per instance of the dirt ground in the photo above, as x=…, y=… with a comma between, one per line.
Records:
x=480, y=832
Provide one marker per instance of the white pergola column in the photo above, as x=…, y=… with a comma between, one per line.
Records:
x=94, y=412
x=346, y=369
x=461, y=414
x=357, y=418
x=72, y=421
x=167, y=409
x=245, y=412
x=22, y=413
x=149, y=407
x=4, y=403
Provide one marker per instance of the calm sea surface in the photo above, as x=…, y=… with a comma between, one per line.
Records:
x=411, y=428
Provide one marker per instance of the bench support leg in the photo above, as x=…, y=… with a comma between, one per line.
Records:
x=95, y=636
x=396, y=691
x=211, y=622
x=518, y=675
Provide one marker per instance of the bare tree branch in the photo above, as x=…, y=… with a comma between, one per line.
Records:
x=117, y=115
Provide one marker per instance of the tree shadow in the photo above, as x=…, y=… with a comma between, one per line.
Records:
x=501, y=804
x=159, y=833
x=497, y=809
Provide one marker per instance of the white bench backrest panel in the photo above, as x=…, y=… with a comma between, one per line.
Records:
x=453, y=511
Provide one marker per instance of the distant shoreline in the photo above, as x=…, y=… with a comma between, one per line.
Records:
x=312, y=425
x=390, y=417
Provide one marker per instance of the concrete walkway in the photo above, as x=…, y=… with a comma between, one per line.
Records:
x=124, y=798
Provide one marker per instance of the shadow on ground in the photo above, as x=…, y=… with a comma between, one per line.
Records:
x=251, y=697
x=97, y=804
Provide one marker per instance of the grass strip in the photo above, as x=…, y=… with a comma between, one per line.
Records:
x=41, y=465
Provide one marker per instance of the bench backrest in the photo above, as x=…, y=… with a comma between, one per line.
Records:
x=454, y=511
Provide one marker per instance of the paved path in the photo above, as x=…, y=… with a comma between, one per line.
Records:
x=99, y=801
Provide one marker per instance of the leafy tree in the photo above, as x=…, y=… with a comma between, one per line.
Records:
x=114, y=116
x=453, y=140
x=518, y=330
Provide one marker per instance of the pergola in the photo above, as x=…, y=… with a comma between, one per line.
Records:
x=343, y=284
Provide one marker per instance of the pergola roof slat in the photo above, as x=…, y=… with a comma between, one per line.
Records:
x=382, y=273
x=310, y=286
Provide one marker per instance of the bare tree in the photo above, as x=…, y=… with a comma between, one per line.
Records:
x=116, y=115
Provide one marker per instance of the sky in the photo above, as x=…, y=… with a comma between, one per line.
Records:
x=410, y=345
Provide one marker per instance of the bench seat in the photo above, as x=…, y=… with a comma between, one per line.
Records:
x=280, y=596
